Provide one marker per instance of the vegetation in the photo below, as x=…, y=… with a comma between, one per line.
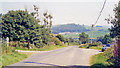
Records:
x=115, y=33
x=83, y=38
x=103, y=60
x=105, y=40
x=97, y=31
x=26, y=31
x=45, y=48
x=11, y=58
x=68, y=28
x=93, y=46
x=60, y=37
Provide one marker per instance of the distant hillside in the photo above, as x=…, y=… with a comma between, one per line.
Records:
x=69, y=28
x=97, y=31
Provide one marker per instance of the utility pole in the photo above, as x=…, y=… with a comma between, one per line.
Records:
x=92, y=33
x=97, y=21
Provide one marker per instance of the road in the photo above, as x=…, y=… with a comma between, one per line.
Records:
x=68, y=56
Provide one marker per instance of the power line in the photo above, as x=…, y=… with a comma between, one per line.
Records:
x=100, y=12
x=97, y=21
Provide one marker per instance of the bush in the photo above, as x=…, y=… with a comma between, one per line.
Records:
x=60, y=37
x=109, y=54
x=56, y=41
x=13, y=43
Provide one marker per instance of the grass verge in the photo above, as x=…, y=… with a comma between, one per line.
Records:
x=99, y=47
x=45, y=48
x=11, y=58
x=14, y=57
x=99, y=61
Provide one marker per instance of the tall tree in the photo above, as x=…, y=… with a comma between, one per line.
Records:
x=48, y=21
x=20, y=26
x=115, y=31
x=83, y=37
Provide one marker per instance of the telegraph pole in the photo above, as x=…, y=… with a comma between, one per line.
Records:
x=97, y=21
x=92, y=33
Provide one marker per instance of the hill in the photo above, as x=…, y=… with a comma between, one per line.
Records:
x=97, y=31
x=68, y=28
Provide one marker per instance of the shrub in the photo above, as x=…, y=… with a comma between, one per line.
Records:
x=109, y=54
x=60, y=37
x=56, y=41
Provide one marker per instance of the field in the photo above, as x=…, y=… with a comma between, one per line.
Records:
x=97, y=32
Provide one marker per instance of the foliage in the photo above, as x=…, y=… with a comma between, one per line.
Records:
x=115, y=32
x=6, y=49
x=56, y=40
x=83, y=38
x=105, y=40
x=48, y=21
x=115, y=28
x=105, y=59
x=21, y=26
x=60, y=37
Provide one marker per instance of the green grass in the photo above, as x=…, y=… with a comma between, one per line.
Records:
x=103, y=60
x=99, y=47
x=11, y=58
x=97, y=33
x=99, y=61
x=45, y=48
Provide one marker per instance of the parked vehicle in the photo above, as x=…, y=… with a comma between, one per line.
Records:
x=105, y=47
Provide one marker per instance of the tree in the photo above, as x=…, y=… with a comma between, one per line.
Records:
x=106, y=39
x=48, y=21
x=60, y=37
x=21, y=26
x=115, y=32
x=83, y=38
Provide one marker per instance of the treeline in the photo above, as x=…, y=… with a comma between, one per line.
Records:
x=24, y=27
x=68, y=28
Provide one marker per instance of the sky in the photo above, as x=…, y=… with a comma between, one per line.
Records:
x=65, y=11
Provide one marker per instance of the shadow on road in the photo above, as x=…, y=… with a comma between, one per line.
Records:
x=46, y=65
